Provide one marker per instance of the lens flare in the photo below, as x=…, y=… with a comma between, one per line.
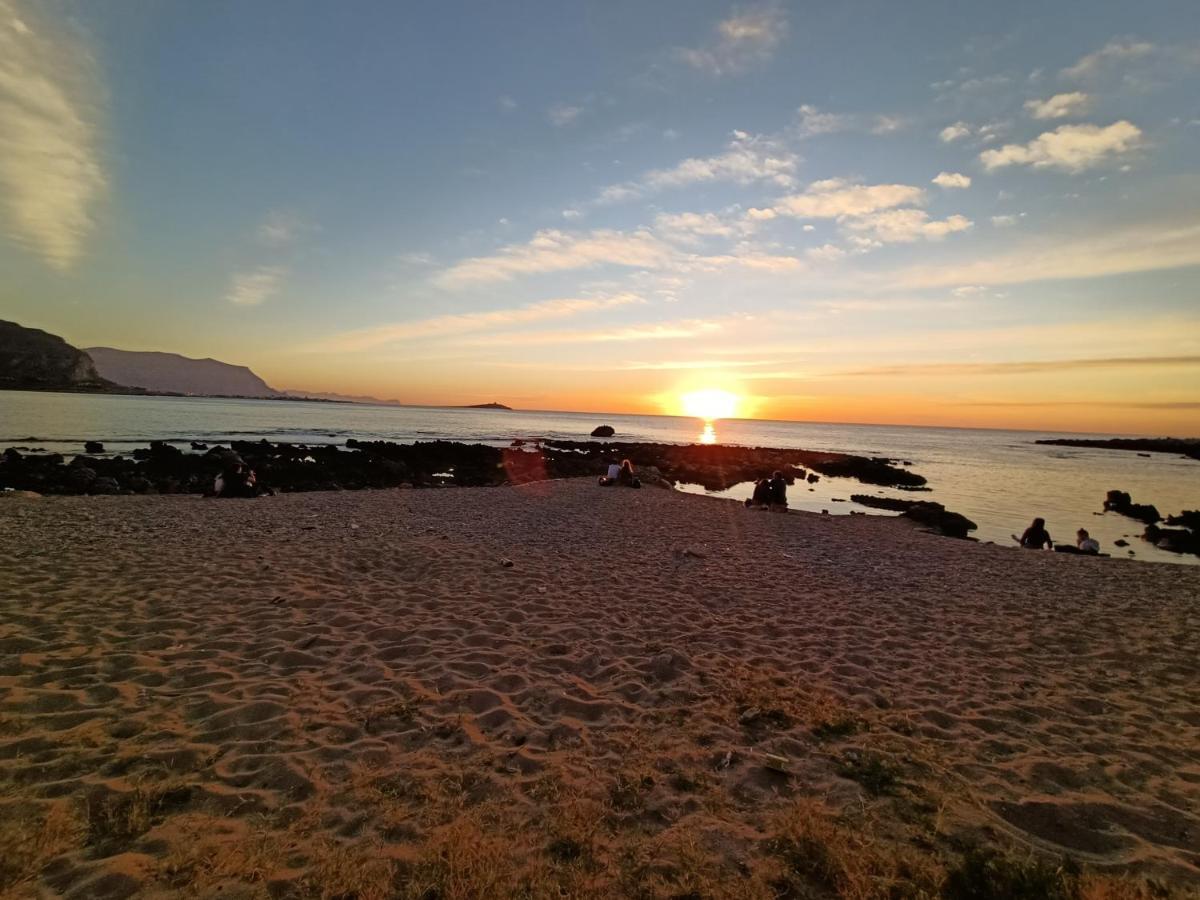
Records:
x=709, y=404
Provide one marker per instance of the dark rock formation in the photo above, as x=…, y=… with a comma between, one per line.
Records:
x=1177, y=540
x=31, y=359
x=1189, y=518
x=924, y=511
x=172, y=373
x=1185, y=446
x=603, y=431
x=93, y=447
x=1121, y=502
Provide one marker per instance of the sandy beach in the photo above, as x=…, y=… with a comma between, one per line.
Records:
x=561, y=690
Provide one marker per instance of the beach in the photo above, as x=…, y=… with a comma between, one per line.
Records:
x=561, y=690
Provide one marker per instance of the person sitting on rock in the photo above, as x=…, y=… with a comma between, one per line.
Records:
x=238, y=480
x=762, y=495
x=625, y=475
x=778, y=491
x=614, y=474
x=1035, y=537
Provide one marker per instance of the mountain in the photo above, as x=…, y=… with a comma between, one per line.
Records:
x=172, y=373
x=31, y=359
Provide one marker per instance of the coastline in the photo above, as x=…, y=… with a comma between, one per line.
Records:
x=353, y=689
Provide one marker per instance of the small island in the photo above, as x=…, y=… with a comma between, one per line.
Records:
x=492, y=405
x=1184, y=446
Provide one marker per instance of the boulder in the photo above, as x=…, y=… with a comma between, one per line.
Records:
x=105, y=486
x=603, y=431
x=935, y=515
x=93, y=447
x=80, y=479
x=1120, y=502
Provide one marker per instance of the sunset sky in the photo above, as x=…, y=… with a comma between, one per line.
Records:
x=929, y=213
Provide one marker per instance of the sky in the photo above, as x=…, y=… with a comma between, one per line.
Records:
x=927, y=213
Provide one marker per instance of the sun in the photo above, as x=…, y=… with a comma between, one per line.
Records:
x=710, y=404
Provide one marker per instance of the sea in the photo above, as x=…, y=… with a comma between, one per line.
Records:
x=999, y=479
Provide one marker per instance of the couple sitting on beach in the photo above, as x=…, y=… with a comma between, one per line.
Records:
x=238, y=480
x=620, y=473
x=1036, y=537
x=769, y=493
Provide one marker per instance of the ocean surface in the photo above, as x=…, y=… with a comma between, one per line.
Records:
x=999, y=479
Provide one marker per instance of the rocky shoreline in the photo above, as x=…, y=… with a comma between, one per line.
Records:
x=166, y=469
x=1182, y=446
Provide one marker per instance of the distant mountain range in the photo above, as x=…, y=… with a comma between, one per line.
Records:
x=174, y=374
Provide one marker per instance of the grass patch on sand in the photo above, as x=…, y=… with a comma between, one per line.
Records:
x=30, y=838
x=877, y=774
x=117, y=818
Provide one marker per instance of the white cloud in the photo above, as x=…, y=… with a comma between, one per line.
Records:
x=1059, y=106
x=506, y=103
x=903, y=226
x=1112, y=52
x=1072, y=148
x=955, y=132
x=467, y=323
x=747, y=158
x=741, y=41
x=952, y=180
x=884, y=124
x=688, y=227
x=51, y=175
x=417, y=258
x=1006, y=221
x=562, y=114
x=836, y=198
x=969, y=290
x=813, y=122
x=256, y=286
x=552, y=250
x=825, y=253
x=571, y=213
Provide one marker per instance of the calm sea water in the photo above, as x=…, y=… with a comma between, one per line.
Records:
x=1000, y=479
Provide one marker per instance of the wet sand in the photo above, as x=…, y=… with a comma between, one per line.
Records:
x=555, y=689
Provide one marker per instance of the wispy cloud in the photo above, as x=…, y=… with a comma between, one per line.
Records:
x=256, y=286
x=51, y=174
x=739, y=42
x=467, y=323
x=903, y=226
x=1114, y=51
x=1025, y=367
x=1071, y=148
x=836, y=198
x=552, y=250
x=1059, y=106
x=280, y=229
x=955, y=132
x=562, y=114
x=748, y=158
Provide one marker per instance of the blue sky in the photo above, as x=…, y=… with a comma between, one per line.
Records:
x=924, y=212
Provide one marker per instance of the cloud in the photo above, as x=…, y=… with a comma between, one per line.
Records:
x=884, y=124
x=658, y=331
x=813, y=122
x=506, y=103
x=1024, y=367
x=952, y=180
x=466, y=323
x=903, y=226
x=1006, y=221
x=955, y=132
x=1072, y=148
x=279, y=229
x=51, y=175
x=562, y=114
x=1059, y=106
x=552, y=250
x=256, y=286
x=836, y=198
x=741, y=41
x=969, y=290
x=1114, y=51
x=747, y=158
x=690, y=227
x=825, y=253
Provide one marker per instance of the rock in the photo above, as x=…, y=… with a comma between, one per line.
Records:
x=506, y=562
x=80, y=478
x=199, y=445
x=1121, y=502
x=1189, y=518
x=935, y=515
x=603, y=431
x=93, y=447
x=1121, y=542
x=1176, y=540
x=813, y=477
x=105, y=486
x=889, y=503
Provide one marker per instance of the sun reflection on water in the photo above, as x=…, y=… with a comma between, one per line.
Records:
x=708, y=435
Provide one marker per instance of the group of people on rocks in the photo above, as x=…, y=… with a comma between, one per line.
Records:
x=769, y=493
x=620, y=473
x=1036, y=537
x=238, y=480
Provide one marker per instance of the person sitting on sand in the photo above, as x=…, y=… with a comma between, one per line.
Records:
x=762, y=495
x=1085, y=543
x=238, y=480
x=1036, y=537
x=778, y=491
x=614, y=474
x=625, y=475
